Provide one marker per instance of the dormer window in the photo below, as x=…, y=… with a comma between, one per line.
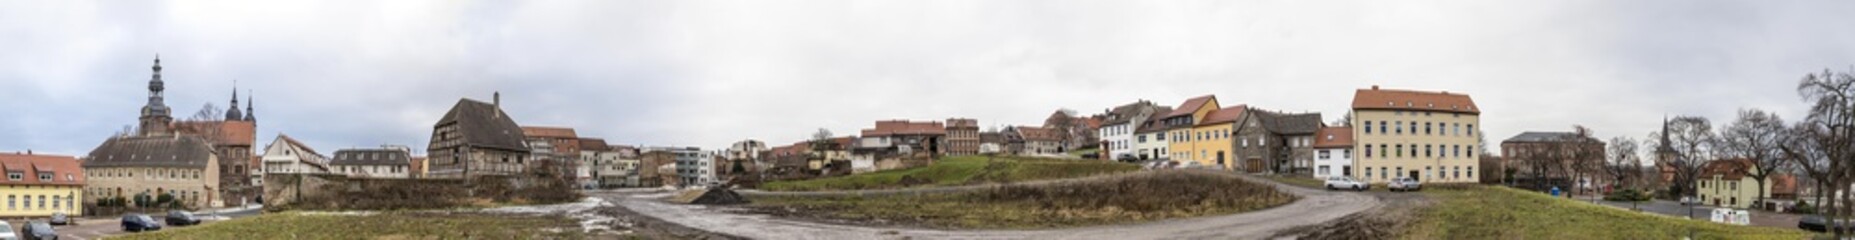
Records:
x=15, y=175
x=46, y=176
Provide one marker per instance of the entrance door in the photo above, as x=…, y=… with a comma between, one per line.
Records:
x=1220, y=159
x=1414, y=176
x=1255, y=165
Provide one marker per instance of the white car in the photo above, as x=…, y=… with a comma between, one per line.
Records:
x=1340, y=182
x=1404, y=184
x=6, y=231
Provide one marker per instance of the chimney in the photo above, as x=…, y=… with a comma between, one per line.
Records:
x=496, y=101
x=1374, y=87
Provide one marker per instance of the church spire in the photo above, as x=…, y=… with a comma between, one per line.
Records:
x=250, y=114
x=155, y=116
x=231, y=113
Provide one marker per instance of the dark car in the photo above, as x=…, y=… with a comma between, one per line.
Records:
x=181, y=218
x=37, y=231
x=136, y=222
x=1818, y=223
x=60, y=219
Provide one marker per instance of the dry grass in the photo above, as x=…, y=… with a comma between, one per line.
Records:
x=1134, y=198
x=1504, y=213
x=963, y=170
x=293, y=225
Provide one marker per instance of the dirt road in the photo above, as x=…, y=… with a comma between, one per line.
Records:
x=1316, y=206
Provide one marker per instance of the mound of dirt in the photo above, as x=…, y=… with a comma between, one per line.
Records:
x=712, y=196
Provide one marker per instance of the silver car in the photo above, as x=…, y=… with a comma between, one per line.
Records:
x=1404, y=184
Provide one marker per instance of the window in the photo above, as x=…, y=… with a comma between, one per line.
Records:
x=1471, y=151
x=1348, y=153
x=1426, y=128
x=1323, y=156
x=1400, y=128
x=1382, y=149
x=1368, y=128
x=1368, y=173
x=15, y=176
x=1471, y=130
x=1323, y=170
x=1381, y=127
x=1400, y=150
x=46, y=176
x=1471, y=171
x=1368, y=151
x=1426, y=151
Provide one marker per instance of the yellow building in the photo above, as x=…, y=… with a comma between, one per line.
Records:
x=1213, y=137
x=40, y=185
x=1182, y=136
x=1728, y=183
x=1430, y=136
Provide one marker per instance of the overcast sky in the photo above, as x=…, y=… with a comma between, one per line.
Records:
x=340, y=74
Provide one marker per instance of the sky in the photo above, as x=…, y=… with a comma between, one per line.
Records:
x=342, y=74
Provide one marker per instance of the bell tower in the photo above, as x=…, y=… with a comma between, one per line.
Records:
x=155, y=116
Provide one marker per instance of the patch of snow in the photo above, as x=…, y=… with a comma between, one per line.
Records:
x=584, y=210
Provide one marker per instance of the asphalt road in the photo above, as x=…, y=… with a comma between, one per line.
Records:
x=1703, y=213
x=1315, y=207
x=95, y=228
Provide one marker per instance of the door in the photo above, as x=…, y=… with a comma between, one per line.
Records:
x=1415, y=177
x=1255, y=165
x=1220, y=159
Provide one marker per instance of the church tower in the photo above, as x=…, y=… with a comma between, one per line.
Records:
x=250, y=115
x=155, y=115
x=231, y=113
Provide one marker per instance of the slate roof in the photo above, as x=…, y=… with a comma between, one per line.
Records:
x=65, y=169
x=1190, y=106
x=1291, y=124
x=145, y=151
x=371, y=157
x=1334, y=137
x=1541, y=137
x=1388, y=99
x=482, y=125
x=1154, y=123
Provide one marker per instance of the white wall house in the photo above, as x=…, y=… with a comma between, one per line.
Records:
x=1150, y=141
x=373, y=162
x=1333, y=152
x=288, y=156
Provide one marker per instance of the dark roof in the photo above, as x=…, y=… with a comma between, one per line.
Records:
x=371, y=157
x=1541, y=137
x=1291, y=124
x=483, y=125
x=594, y=144
x=1154, y=123
x=161, y=151
x=1191, y=105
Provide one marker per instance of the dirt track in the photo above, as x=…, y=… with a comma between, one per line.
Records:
x=1316, y=206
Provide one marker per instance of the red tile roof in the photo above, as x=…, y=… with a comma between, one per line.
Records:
x=904, y=127
x=228, y=132
x=1388, y=99
x=549, y=132
x=66, y=170
x=962, y=122
x=1334, y=137
x=1190, y=105
x=1784, y=184
x=1225, y=115
x=1038, y=133
x=1728, y=169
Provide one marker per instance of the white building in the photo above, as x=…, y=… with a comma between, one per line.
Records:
x=1118, y=131
x=288, y=156
x=1150, y=141
x=694, y=167
x=385, y=162
x=1333, y=152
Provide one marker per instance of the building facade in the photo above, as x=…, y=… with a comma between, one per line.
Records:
x=202, y=162
x=1728, y=183
x=385, y=162
x=1181, y=126
x=1430, y=136
x=38, y=186
x=1034, y=141
x=1333, y=152
x=962, y=137
x=1548, y=156
x=1277, y=142
x=285, y=155
x=1150, y=140
x=477, y=139
x=1119, y=127
x=1214, y=137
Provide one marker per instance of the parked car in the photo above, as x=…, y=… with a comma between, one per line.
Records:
x=38, y=231
x=181, y=218
x=6, y=231
x=60, y=219
x=1342, y=182
x=1817, y=223
x=1404, y=184
x=136, y=222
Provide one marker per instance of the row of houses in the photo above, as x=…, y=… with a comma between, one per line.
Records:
x=1426, y=135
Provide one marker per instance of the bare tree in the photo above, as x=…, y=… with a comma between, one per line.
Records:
x=1344, y=121
x=1693, y=144
x=1755, y=136
x=1625, y=166
x=1831, y=127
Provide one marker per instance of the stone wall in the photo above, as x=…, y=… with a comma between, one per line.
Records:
x=338, y=192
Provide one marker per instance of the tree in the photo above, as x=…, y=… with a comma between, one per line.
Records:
x=821, y=140
x=1625, y=167
x=1827, y=136
x=1581, y=152
x=1693, y=144
x=1755, y=136
x=1344, y=121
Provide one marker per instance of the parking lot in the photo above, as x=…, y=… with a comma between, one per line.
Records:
x=99, y=227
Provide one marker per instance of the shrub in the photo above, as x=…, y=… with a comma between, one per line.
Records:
x=1628, y=195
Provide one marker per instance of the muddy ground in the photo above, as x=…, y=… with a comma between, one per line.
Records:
x=1386, y=221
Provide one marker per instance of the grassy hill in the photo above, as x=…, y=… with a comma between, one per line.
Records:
x=1140, y=197
x=1504, y=213
x=962, y=170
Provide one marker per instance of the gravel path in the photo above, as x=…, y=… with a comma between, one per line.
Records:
x=1316, y=206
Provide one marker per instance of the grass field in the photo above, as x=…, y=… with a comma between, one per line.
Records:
x=963, y=170
x=1482, y=212
x=295, y=225
x=1133, y=198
